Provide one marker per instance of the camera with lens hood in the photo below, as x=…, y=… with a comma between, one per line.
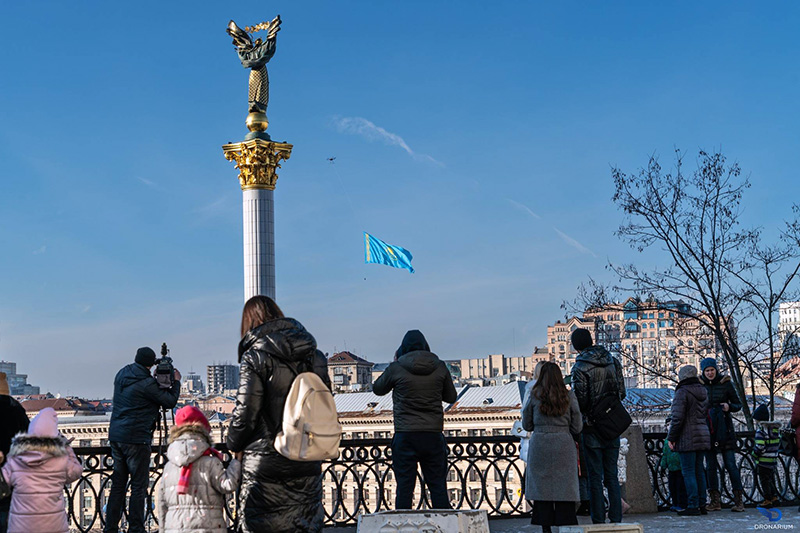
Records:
x=165, y=371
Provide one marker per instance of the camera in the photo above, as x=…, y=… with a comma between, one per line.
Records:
x=165, y=372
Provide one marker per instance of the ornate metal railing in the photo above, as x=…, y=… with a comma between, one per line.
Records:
x=483, y=473
x=787, y=473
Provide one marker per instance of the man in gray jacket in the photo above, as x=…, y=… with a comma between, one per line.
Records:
x=419, y=382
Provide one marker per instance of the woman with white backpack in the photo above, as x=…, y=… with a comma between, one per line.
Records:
x=277, y=494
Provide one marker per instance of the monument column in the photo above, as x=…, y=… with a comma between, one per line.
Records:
x=258, y=158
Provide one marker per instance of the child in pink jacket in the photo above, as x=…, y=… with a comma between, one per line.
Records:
x=39, y=464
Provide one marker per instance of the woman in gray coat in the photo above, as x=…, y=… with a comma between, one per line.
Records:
x=554, y=418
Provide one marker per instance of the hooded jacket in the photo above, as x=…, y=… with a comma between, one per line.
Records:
x=201, y=509
x=277, y=494
x=689, y=428
x=720, y=390
x=419, y=382
x=37, y=470
x=596, y=374
x=137, y=399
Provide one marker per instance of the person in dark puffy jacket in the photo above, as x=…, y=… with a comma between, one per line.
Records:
x=277, y=494
x=597, y=374
x=134, y=414
x=689, y=435
x=722, y=401
x=13, y=420
x=419, y=382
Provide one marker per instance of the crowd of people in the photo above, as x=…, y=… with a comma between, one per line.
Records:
x=576, y=457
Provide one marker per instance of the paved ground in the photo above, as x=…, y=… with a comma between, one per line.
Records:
x=723, y=521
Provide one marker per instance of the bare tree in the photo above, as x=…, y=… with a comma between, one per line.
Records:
x=713, y=264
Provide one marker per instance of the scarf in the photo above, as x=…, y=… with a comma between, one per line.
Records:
x=186, y=471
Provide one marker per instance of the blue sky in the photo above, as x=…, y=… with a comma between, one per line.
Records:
x=478, y=137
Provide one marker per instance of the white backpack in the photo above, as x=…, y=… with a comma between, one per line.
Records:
x=311, y=429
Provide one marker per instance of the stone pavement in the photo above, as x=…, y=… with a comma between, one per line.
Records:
x=666, y=522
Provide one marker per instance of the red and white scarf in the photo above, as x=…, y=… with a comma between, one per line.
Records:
x=186, y=471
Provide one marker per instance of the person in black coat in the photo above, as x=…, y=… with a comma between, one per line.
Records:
x=689, y=435
x=277, y=494
x=134, y=415
x=722, y=401
x=13, y=420
x=596, y=374
x=419, y=382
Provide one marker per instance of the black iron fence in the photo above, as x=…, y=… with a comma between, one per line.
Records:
x=484, y=473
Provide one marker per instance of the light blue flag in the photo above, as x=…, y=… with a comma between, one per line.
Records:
x=377, y=251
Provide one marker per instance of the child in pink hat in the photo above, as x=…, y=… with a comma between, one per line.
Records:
x=39, y=464
x=191, y=495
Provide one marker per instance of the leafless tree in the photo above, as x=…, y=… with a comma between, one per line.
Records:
x=722, y=270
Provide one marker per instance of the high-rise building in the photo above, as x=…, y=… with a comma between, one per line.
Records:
x=789, y=329
x=222, y=378
x=17, y=383
x=193, y=384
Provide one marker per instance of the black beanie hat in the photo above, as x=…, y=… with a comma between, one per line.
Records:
x=761, y=413
x=145, y=356
x=581, y=339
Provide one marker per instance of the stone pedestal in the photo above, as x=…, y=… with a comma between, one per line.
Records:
x=428, y=521
x=258, y=160
x=638, y=488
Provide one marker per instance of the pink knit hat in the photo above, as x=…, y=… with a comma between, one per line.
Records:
x=45, y=424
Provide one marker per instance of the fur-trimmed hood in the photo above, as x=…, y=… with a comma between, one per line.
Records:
x=188, y=443
x=32, y=450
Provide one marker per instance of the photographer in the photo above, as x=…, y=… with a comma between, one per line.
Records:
x=137, y=400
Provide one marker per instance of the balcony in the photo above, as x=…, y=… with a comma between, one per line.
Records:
x=484, y=473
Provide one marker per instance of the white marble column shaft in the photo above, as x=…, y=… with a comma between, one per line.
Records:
x=259, y=243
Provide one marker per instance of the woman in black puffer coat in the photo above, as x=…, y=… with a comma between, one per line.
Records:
x=277, y=494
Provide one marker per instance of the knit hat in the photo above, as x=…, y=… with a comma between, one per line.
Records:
x=45, y=424
x=581, y=339
x=761, y=413
x=4, y=390
x=145, y=356
x=191, y=415
x=707, y=363
x=686, y=372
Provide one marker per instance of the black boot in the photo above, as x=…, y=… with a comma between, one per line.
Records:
x=583, y=509
x=547, y=529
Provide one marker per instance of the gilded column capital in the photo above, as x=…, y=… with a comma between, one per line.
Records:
x=258, y=161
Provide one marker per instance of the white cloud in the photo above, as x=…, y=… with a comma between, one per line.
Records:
x=368, y=130
x=574, y=243
x=147, y=182
x=39, y=251
x=217, y=207
x=524, y=208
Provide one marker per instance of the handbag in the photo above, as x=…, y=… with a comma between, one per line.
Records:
x=5, y=489
x=610, y=418
x=788, y=445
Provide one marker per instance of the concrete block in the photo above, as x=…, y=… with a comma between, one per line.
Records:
x=638, y=487
x=425, y=521
x=603, y=528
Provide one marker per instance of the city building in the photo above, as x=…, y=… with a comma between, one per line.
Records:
x=789, y=329
x=349, y=372
x=478, y=370
x=64, y=407
x=17, y=383
x=222, y=379
x=652, y=339
x=192, y=383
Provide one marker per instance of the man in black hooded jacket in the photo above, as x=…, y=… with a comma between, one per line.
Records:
x=419, y=382
x=134, y=414
x=597, y=374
